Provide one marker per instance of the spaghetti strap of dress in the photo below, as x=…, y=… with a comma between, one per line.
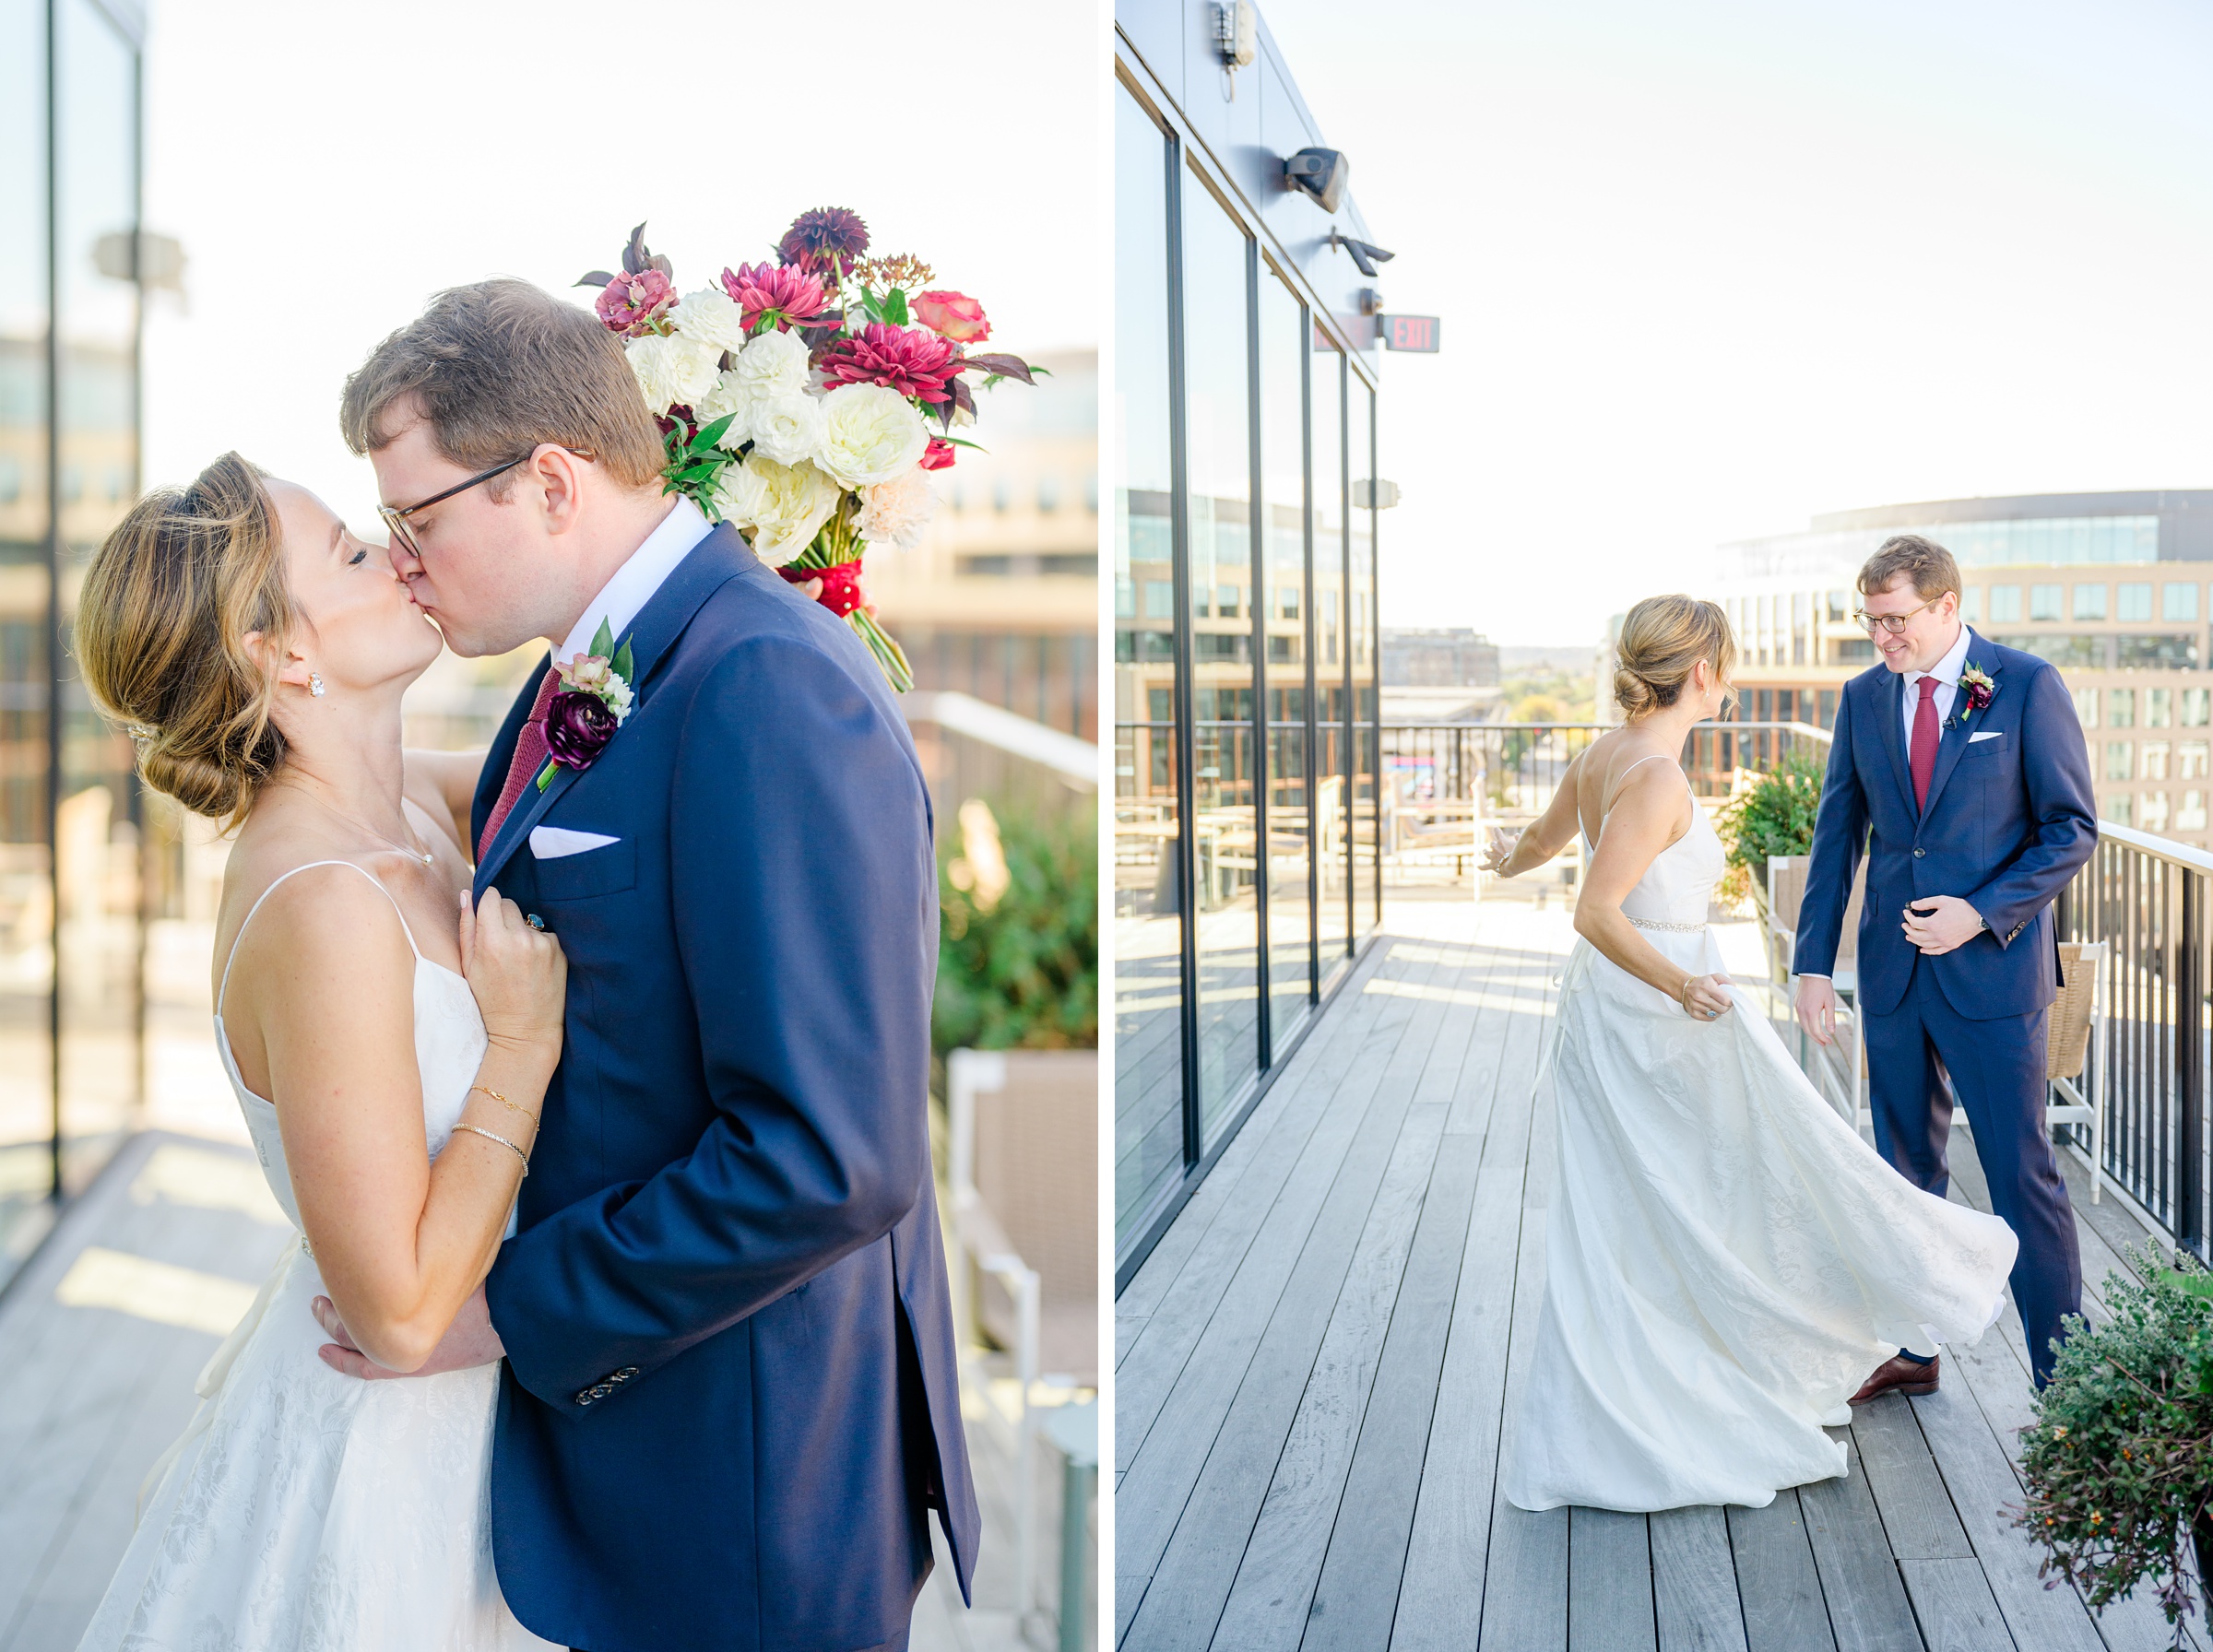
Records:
x=306, y=867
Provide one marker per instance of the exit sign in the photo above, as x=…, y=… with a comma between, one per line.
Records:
x=1409, y=332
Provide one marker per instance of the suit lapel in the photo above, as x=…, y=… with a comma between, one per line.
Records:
x=717, y=560
x=1953, y=741
x=1890, y=696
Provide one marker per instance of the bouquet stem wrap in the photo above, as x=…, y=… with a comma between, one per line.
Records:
x=834, y=558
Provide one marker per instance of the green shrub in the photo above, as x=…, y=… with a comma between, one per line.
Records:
x=1018, y=940
x=2119, y=1462
x=1776, y=816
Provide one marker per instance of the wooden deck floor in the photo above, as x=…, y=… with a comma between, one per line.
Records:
x=1314, y=1363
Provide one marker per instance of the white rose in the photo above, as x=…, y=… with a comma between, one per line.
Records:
x=711, y=316
x=775, y=364
x=786, y=428
x=872, y=433
x=672, y=370
x=786, y=505
x=729, y=395
x=896, y=513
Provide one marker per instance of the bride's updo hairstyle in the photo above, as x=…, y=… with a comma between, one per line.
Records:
x=161, y=631
x=1662, y=639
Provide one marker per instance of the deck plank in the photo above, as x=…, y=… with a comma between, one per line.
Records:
x=1868, y=1610
x=1776, y=1578
x=1957, y=1613
x=1610, y=1581
x=1694, y=1583
x=1915, y=1504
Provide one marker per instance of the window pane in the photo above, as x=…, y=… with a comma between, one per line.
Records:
x=2178, y=602
x=1332, y=802
x=2085, y=707
x=2119, y=808
x=2121, y=708
x=2005, y=604
x=2133, y=601
x=1218, y=423
x=2153, y=817
x=2043, y=602
x=1148, y=966
x=2159, y=708
x=2197, y=702
x=1970, y=604
x=1285, y=610
x=1367, y=840
x=2120, y=760
x=2089, y=602
x=2153, y=761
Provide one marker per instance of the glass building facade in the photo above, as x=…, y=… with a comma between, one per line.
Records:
x=80, y=857
x=1245, y=649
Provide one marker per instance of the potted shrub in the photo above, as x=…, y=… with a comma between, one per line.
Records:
x=2118, y=1461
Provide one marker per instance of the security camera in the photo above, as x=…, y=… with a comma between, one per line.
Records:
x=1323, y=173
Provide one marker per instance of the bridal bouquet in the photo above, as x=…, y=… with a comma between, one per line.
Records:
x=805, y=401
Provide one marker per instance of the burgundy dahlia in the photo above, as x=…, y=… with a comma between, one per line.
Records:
x=827, y=238
x=629, y=302
x=903, y=358
x=788, y=294
x=578, y=727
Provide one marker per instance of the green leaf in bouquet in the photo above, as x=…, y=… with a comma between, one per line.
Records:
x=603, y=640
x=894, y=307
x=710, y=435
x=963, y=441
x=622, y=664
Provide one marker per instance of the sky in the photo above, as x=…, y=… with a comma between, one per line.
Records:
x=1708, y=268
x=327, y=168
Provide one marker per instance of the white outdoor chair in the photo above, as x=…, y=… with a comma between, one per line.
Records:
x=2076, y=1036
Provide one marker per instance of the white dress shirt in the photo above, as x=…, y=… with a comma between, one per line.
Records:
x=621, y=599
x=1946, y=673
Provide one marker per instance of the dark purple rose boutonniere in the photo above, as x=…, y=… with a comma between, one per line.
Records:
x=1979, y=689
x=593, y=701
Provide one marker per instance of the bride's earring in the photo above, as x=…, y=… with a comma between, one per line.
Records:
x=314, y=684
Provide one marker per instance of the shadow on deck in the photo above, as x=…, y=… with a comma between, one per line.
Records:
x=1314, y=1364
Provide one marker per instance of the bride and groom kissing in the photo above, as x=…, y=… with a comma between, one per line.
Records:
x=693, y=1382
x=1729, y=1269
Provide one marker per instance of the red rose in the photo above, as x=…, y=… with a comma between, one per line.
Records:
x=938, y=454
x=953, y=315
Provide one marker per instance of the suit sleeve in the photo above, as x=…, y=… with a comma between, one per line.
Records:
x=805, y=894
x=2055, y=767
x=1839, y=838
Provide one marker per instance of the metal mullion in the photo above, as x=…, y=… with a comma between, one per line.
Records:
x=1311, y=766
x=1187, y=780
x=2190, y=1094
x=53, y=579
x=1344, y=597
x=1257, y=612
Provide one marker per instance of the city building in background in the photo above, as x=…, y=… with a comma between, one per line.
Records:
x=1000, y=601
x=2111, y=587
x=1245, y=738
x=1439, y=658
x=84, y=864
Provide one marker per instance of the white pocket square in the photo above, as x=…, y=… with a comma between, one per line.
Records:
x=551, y=843
x=1992, y=734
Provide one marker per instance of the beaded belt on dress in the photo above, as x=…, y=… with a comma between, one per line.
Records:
x=1676, y=928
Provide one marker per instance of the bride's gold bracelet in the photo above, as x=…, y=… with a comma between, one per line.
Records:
x=511, y=1107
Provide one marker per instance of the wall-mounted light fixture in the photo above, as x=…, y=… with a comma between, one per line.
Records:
x=1237, y=41
x=1365, y=255
x=1323, y=173
x=1371, y=301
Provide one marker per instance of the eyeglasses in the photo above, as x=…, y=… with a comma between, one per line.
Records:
x=396, y=516
x=1893, y=623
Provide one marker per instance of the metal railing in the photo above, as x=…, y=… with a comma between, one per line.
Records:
x=2146, y=898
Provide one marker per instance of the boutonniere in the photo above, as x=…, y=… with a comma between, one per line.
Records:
x=593, y=701
x=1976, y=684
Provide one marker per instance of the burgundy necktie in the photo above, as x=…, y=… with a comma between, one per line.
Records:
x=1923, y=758
x=530, y=757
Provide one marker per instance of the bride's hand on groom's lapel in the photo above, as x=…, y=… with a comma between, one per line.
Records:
x=469, y=1341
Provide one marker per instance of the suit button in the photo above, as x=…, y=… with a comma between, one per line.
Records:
x=1919, y=852
x=584, y=1397
x=624, y=1374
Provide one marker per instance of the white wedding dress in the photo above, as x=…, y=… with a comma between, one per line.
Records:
x=308, y=1509
x=1726, y=1261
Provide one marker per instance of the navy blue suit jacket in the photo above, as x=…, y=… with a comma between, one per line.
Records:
x=2009, y=821
x=730, y=1389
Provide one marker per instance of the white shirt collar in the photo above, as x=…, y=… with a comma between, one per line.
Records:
x=633, y=586
x=1947, y=670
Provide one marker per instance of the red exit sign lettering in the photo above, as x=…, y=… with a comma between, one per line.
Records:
x=1409, y=333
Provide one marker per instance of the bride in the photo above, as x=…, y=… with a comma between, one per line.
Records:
x=1725, y=1261
x=390, y=1061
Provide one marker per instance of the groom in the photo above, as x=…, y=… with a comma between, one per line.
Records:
x=729, y=1401
x=1959, y=770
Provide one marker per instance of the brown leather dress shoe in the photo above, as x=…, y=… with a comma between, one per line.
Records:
x=1898, y=1375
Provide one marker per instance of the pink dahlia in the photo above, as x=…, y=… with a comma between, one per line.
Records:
x=790, y=296
x=912, y=362
x=825, y=238
x=628, y=302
